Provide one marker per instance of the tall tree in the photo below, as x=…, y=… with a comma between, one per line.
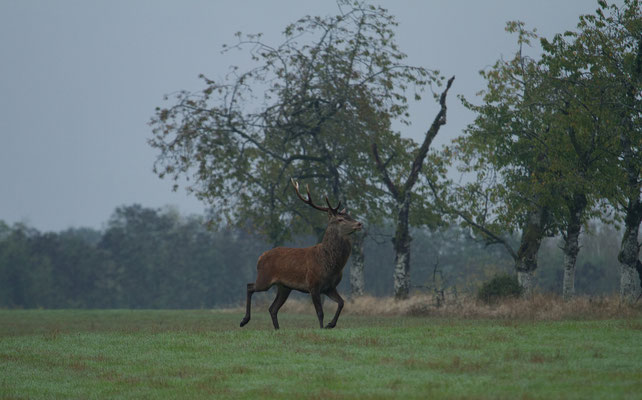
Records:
x=599, y=72
x=333, y=85
x=401, y=191
x=586, y=144
x=613, y=37
x=504, y=151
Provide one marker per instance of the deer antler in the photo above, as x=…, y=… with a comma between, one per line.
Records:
x=309, y=199
x=334, y=210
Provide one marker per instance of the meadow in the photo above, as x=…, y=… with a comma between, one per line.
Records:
x=194, y=354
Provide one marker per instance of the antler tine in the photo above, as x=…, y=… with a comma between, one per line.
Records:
x=335, y=210
x=296, y=189
x=307, y=189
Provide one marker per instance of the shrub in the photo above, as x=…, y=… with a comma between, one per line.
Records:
x=499, y=287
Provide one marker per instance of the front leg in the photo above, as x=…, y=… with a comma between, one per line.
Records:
x=316, y=300
x=334, y=295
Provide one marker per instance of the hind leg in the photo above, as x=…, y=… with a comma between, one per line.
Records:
x=261, y=285
x=281, y=296
x=248, y=306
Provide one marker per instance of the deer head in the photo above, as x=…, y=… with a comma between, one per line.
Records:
x=340, y=220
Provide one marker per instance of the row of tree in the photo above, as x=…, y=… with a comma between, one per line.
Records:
x=145, y=258
x=150, y=258
x=555, y=142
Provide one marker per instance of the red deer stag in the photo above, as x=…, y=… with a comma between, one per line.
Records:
x=316, y=270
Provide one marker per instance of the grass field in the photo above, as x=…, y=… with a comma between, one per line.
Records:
x=204, y=354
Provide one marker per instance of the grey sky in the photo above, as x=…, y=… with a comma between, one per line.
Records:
x=79, y=81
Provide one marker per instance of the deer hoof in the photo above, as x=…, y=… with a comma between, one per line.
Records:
x=330, y=326
x=244, y=322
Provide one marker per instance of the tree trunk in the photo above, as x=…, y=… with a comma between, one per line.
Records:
x=526, y=280
x=629, y=253
x=526, y=261
x=629, y=286
x=630, y=249
x=571, y=248
x=357, y=277
x=571, y=244
x=401, y=244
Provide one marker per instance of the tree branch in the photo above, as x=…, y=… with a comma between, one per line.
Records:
x=491, y=238
x=384, y=173
x=440, y=119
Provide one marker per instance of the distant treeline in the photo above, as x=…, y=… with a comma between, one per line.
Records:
x=156, y=258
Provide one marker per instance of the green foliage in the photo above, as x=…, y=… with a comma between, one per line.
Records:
x=499, y=287
x=204, y=355
x=592, y=76
x=506, y=147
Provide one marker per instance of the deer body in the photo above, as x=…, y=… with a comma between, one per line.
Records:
x=316, y=270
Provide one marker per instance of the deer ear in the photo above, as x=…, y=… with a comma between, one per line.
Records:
x=344, y=211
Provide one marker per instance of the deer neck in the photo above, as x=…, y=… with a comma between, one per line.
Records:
x=335, y=248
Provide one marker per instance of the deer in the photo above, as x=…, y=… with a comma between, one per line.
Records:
x=315, y=270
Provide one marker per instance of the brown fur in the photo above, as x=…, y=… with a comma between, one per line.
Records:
x=316, y=270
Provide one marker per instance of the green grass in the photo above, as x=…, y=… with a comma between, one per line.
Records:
x=204, y=354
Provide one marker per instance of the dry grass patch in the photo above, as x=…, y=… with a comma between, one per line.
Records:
x=240, y=369
x=455, y=365
x=634, y=325
x=540, y=357
x=316, y=338
x=538, y=307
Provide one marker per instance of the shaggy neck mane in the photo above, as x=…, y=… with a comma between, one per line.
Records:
x=335, y=248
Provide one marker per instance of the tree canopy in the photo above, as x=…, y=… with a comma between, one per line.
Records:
x=308, y=110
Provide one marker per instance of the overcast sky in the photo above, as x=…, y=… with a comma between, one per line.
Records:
x=79, y=81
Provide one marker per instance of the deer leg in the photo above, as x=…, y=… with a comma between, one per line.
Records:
x=334, y=295
x=250, y=291
x=316, y=300
x=281, y=296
